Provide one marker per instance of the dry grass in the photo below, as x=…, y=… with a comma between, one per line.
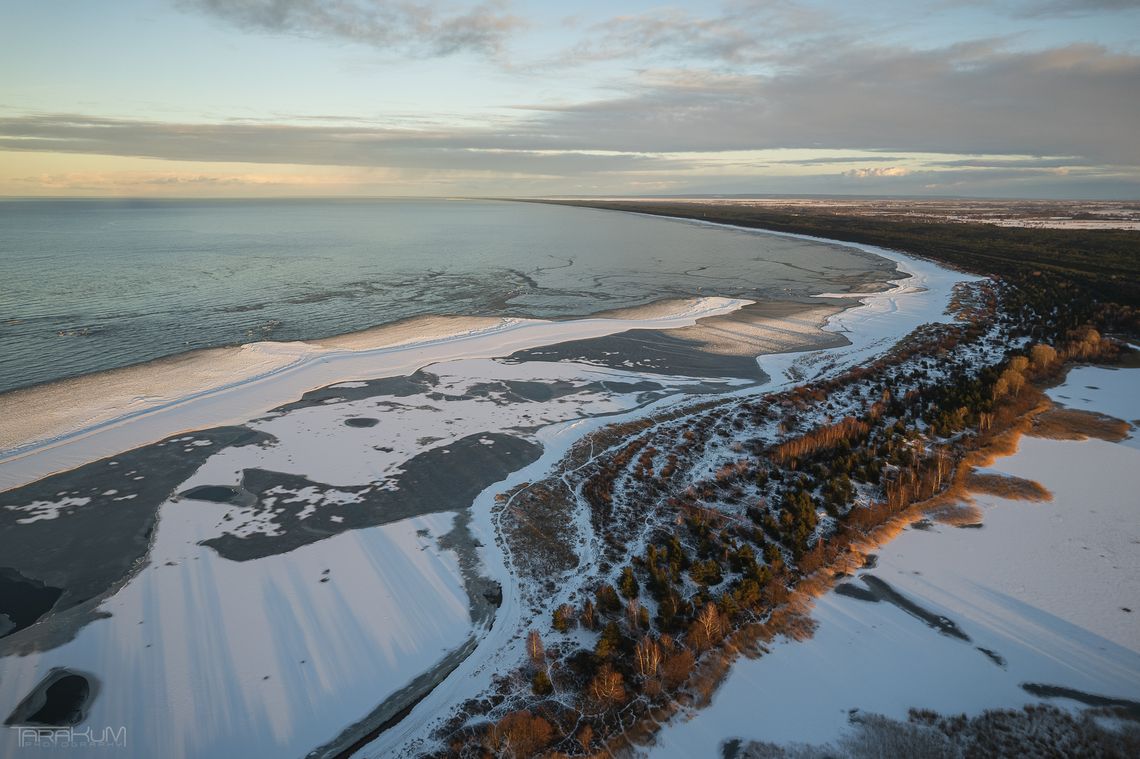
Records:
x=1007, y=486
x=1073, y=424
x=957, y=514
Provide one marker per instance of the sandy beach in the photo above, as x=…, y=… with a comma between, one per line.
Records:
x=66, y=424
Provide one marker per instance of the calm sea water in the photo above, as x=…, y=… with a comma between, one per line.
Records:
x=92, y=285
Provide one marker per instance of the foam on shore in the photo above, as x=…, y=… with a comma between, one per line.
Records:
x=58, y=426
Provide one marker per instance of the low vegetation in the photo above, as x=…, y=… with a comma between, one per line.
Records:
x=705, y=523
x=1034, y=731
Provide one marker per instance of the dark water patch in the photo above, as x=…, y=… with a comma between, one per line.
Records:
x=494, y=594
x=870, y=561
x=884, y=592
x=851, y=590
x=495, y=392
x=212, y=493
x=61, y=699
x=993, y=656
x=1130, y=708
x=440, y=479
x=970, y=526
x=23, y=600
x=361, y=421
x=541, y=391
x=397, y=387
x=649, y=351
x=87, y=550
x=242, y=308
x=922, y=524
x=730, y=749
x=626, y=388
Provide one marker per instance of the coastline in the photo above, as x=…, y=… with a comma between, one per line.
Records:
x=871, y=326
x=274, y=373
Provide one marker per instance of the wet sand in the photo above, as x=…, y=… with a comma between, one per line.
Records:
x=61, y=426
x=719, y=346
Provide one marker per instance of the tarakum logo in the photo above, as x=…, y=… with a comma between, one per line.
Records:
x=72, y=737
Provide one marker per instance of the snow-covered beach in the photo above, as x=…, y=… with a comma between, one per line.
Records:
x=250, y=527
x=63, y=425
x=378, y=432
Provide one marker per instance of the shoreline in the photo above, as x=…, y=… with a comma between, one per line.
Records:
x=102, y=424
x=902, y=304
x=866, y=310
x=280, y=372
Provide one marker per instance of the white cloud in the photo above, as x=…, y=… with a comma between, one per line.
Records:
x=877, y=171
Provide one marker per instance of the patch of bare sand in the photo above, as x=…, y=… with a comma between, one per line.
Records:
x=765, y=328
x=414, y=330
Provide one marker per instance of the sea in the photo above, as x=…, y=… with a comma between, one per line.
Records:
x=91, y=285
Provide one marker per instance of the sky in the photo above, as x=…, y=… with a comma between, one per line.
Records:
x=249, y=98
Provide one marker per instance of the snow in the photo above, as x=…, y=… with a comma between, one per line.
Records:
x=874, y=326
x=185, y=653
x=395, y=603
x=40, y=510
x=61, y=426
x=1043, y=585
x=306, y=435
x=191, y=638
x=1109, y=390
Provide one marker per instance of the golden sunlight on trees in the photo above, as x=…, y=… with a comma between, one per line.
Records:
x=677, y=668
x=708, y=628
x=519, y=734
x=1042, y=356
x=607, y=688
x=535, y=649
x=564, y=618
x=648, y=654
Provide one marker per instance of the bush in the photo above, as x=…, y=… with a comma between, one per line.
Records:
x=520, y=733
x=541, y=684
x=564, y=618
x=628, y=585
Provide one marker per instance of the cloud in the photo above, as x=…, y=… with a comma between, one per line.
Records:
x=1011, y=163
x=1070, y=8
x=743, y=32
x=420, y=28
x=1080, y=103
x=1078, y=100
x=349, y=144
x=828, y=160
x=877, y=171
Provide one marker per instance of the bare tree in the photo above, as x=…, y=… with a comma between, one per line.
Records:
x=632, y=612
x=534, y=648
x=607, y=688
x=648, y=653
x=708, y=627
